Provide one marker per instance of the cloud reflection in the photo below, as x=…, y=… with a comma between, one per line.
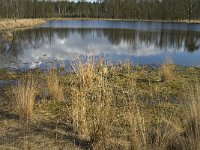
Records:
x=41, y=45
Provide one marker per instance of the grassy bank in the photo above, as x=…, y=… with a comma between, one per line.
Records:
x=111, y=19
x=10, y=24
x=101, y=106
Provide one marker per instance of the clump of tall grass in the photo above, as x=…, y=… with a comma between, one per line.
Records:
x=85, y=74
x=137, y=128
x=192, y=126
x=101, y=114
x=91, y=101
x=164, y=133
x=79, y=109
x=145, y=134
x=167, y=70
x=55, y=89
x=24, y=97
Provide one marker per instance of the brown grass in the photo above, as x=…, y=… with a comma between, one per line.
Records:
x=91, y=103
x=21, y=23
x=192, y=126
x=118, y=107
x=144, y=136
x=24, y=97
x=111, y=19
x=101, y=113
x=167, y=70
x=85, y=75
x=55, y=89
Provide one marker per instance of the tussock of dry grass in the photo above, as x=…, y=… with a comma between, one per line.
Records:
x=144, y=136
x=167, y=70
x=55, y=88
x=85, y=76
x=91, y=103
x=11, y=24
x=24, y=97
x=79, y=104
x=192, y=124
x=101, y=114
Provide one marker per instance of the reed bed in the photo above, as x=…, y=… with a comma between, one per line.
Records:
x=118, y=106
x=10, y=24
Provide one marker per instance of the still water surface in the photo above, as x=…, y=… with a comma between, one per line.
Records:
x=140, y=42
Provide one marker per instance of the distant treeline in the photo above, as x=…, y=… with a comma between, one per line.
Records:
x=123, y=9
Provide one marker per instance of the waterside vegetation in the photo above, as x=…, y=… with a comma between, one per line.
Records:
x=10, y=24
x=101, y=106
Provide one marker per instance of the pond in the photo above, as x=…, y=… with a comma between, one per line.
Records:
x=64, y=41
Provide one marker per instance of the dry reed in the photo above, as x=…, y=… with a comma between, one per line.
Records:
x=85, y=74
x=101, y=114
x=162, y=135
x=20, y=23
x=55, y=89
x=91, y=101
x=192, y=126
x=167, y=70
x=93, y=95
x=24, y=97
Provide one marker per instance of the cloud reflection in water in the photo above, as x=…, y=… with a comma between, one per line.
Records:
x=143, y=47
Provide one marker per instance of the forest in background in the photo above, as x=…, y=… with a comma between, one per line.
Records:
x=173, y=10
